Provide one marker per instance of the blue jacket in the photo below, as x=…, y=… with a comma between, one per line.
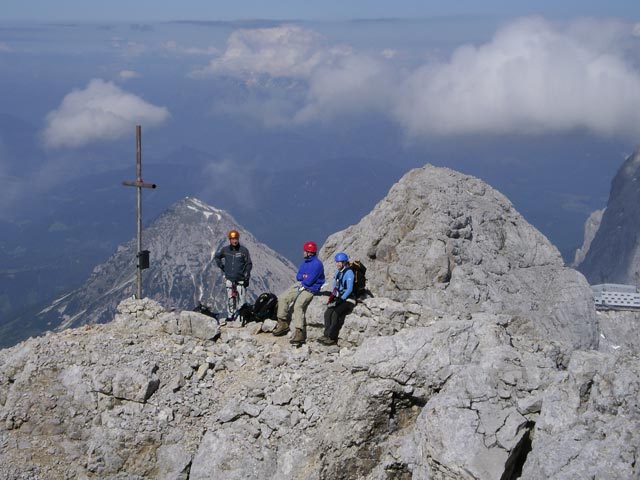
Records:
x=311, y=274
x=343, y=283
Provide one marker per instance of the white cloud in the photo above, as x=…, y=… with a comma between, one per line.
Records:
x=284, y=51
x=356, y=84
x=128, y=74
x=101, y=111
x=276, y=64
x=531, y=78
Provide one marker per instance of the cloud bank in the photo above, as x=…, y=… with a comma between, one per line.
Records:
x=102, y=111
x=284, y=51
x=532, y=77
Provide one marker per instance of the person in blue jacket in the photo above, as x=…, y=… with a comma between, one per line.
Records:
x=311, y=278
x=341, y=301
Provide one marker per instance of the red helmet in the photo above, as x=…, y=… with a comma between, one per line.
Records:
x=310, y=247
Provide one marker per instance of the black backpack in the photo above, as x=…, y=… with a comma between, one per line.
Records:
x=359, y=277
x=265, y=307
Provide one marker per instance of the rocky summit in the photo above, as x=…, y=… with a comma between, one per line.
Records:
x=475, y=357
x=452, y=244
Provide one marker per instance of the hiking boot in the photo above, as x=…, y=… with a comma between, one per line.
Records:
x=328, y=341
x=282, y=328
x=222, y=322
x=298, y=338
x=322, y=339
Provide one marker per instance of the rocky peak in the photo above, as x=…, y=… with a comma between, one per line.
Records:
x=591, y=227
x=452, y=243
x=614, y=253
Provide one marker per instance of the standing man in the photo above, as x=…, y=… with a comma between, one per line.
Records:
x=235, y=262
x=341, y=301
x=311, y=278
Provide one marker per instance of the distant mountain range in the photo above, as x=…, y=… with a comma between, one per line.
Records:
x=182, y=272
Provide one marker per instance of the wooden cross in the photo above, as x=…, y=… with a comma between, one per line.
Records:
x=142, y=255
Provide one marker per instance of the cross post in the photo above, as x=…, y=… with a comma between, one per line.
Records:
x=142, y=255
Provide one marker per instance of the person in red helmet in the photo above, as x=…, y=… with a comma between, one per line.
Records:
x=296, y=299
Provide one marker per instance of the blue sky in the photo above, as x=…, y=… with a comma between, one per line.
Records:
x=150, y=10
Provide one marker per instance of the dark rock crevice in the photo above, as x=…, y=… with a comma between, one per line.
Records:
x=518, y=456
x=404, y=410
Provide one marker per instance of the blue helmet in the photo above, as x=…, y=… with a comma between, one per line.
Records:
x=341, y=257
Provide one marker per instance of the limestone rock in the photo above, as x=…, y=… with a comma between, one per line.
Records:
x=589, y=420
x=591, y=227
x=619, y=332
x=451, y=243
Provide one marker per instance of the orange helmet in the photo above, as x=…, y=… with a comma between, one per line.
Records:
x=233, y=234
x=310, y=247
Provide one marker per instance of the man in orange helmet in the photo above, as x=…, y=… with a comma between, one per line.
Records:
x=311, y=278
x=235, y=262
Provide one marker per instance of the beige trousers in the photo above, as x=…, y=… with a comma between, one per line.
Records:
x=301, y=300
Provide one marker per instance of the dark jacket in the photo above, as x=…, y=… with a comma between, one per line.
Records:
x=237, y=263
x=311, y=274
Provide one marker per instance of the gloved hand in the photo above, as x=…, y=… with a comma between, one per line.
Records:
x=241, y=283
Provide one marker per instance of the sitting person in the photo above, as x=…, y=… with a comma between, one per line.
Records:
x=311, y=278
x=341, y=301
